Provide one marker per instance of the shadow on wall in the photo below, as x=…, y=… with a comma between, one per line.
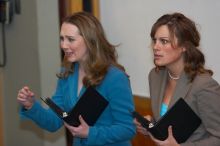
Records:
x=30, y=127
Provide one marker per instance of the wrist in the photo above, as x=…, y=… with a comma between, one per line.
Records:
x=27, y=107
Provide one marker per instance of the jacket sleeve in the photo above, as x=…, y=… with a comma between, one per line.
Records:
x=208, y=100
x=42, y=115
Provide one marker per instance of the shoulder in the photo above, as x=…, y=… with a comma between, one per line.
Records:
x=205, y=82
x=114, y=72
x=115, y=77
x=115, y=81
x=204, y=79
x=206, y=93
x=156, y=74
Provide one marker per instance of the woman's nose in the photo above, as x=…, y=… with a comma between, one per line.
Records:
x=63, y=44
x=156, y=45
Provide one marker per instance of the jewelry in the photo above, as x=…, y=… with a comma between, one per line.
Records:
x=172, y=77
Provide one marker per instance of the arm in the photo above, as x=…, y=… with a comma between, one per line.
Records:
x=42, y=116
x=208, y=99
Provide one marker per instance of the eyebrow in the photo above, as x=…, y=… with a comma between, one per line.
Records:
x=164, y=37
x=68, y=36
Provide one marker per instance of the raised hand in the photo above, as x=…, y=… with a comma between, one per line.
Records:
x=25, y=97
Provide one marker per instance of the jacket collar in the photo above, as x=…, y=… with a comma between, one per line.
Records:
x=182, y=88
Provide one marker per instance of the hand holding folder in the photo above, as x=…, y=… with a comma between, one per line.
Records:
x=181, y=117
x=90, y=106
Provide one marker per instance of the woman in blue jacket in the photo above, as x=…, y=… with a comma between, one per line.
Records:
x=89, y=60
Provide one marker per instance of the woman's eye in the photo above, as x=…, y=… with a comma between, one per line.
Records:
x=164, y=41
x=71, y=39
x=61, y=38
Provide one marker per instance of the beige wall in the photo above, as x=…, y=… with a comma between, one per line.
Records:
x=33, y=59
x=1, y=110
x=128, y=23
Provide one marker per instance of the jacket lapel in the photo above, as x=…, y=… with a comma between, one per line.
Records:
x=182, y=88
x=157, y=91
x=73, y=87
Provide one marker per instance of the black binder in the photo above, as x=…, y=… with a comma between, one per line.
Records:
x=90, y=106
x=181, y=117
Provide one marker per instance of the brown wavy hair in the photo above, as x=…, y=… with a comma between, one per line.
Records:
x=187, y=35
x=101, y=54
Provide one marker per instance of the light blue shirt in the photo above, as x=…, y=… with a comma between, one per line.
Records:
x=163, y=109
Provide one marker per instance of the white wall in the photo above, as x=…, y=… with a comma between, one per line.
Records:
x=33, y=59
x=128, y=22
x=49, y=58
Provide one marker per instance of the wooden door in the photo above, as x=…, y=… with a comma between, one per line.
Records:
x=142, y=105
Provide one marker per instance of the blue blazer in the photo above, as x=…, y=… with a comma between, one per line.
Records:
x=115, y=125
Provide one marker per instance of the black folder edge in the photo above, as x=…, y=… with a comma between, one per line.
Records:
x=57, y=110
x=157, y=133
x=72, y=118
x=143, y=121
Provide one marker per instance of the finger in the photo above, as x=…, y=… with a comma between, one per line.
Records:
x=67, y=125
x=26, y=88
x=82, y=121
x=136, y=122
x=31, y=94
x=20, y=99
x=148, y=117
x=27, y=91
x=140, y=128
x=24, y=96
x=170, y=131
x=23, y=92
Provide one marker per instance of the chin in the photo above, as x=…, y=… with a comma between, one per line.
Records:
x=157, y=63
x=160, y=64
x=71, y=59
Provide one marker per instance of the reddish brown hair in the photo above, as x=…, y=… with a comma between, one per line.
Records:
x=187, y=35
x=101, y=54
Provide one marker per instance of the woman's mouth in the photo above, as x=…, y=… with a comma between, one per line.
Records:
x=68, y=54
x=156, y=56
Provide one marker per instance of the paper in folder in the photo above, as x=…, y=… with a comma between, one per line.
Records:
x=181, y=117
x=90, y=106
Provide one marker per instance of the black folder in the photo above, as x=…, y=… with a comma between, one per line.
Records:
x=181, y=117
x=90, y=106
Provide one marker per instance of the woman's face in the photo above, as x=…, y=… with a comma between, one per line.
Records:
x=164, y=53
x=72, y=43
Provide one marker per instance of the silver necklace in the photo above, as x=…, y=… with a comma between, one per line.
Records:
x=172, y=77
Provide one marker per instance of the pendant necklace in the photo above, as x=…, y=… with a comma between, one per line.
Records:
x=172, y=77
